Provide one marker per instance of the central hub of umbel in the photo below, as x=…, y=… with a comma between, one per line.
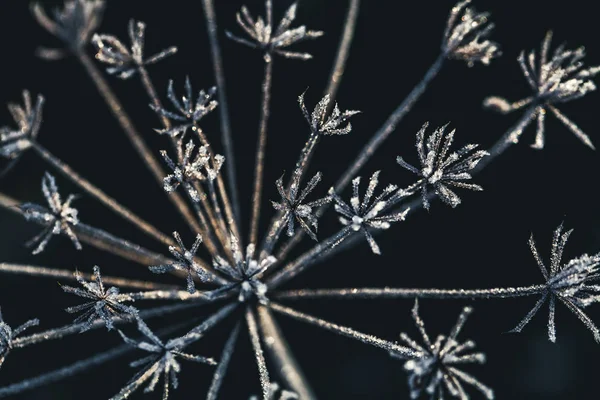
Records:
x=252, y=289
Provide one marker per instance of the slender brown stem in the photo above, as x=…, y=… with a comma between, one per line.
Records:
x=277, y=347
x=260, y=149
x=211, y=26
x=136, y=140
x=102, y=197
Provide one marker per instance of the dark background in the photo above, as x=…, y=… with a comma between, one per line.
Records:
x=482, y=243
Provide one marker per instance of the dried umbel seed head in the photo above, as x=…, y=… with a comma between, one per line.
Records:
x=27, y=118
x=466, y=35
x=322, y=124
x=74, y=24
x=263, y=35
x=8, y=334
x=124, y=62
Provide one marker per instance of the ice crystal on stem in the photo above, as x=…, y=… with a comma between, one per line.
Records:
x=368, y=214
x=58, y=219
x=263, y=36
x=191, y=169
x=184, y=262
x=28, y=118
x=570, y=283
x=188, y=114
x=441, y=169
x=161, y=361
x=74, y=24
x=8, y=334
x=435, y=368
x=295, y=210
x=560, y=79
x=103, y=303
x=124, y=62
x=466, y=33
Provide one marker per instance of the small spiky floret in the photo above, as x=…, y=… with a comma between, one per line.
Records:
x=295, y=210
x=322, y=124
x=190, y=169
x=8, y=334
x=74, y=24
x=105, y=304
x=466, y=35
x=58, y=219
x=125, y=62
x=434, y=370
x=570, y=283
x=184, y=262
x=365, y=215
x=561, y=79
x=276, y=393
x=245, y=271
x=441, y=169
x=187, y=113
x=162, y=360
x=263, y=35
x=28, y=118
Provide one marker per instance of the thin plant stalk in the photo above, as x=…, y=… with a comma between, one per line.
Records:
x=279, y=350
x=401, y=293
x=343, y=51
x=138, y=143
x=221, y=370
x=33, y=270
x=226, y=139
x=343, y=330
x=261, y=146
x=265, y=382
x=102, y=197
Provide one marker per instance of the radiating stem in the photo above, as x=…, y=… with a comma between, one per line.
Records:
x=335, y=78
x=31, y=270
x=398, y=293
x=59, y=333
x=221, y=369
x=102, y=197
x=281, y=354
x=217, y=61
x=390, y=124
x=265, y=382
x=343, y=330
x=101, y=239
x=138, y=143
x=197, y=332
x=151, y=91
x=260, y=148
x=277, y=227
x=305, y=260
x=75, y=368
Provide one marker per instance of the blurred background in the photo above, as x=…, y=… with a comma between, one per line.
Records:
x=480, y=244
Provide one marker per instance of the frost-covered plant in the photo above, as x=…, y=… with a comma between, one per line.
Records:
x=241, y=276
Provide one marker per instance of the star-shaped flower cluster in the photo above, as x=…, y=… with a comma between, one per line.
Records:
x=58, y=219
x=124, y=62
x=557, y=80
x=322, y=124
x=74, y=24
x=28, y=118
x=366, y=215
x=187, y=113
x=8, y=334
x=441, y=169
x=264, y=36
x=572, y=284
x=184, y=262
x=104, y=304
